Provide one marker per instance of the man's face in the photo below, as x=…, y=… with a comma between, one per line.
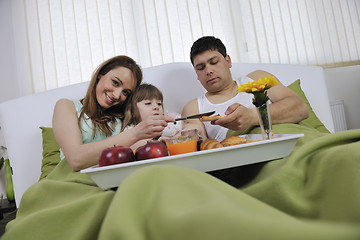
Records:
x=213, y=70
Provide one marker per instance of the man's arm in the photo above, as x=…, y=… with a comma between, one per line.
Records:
x=192, y=108
x=286, y=107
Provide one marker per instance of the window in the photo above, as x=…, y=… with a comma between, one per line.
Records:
x=60, y=42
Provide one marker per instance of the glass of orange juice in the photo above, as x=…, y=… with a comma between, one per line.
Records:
x=196, y=133
x=181, y=144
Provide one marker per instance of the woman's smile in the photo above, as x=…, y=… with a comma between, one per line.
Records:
x=109, y=99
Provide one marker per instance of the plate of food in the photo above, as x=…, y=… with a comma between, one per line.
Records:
x=248, y=149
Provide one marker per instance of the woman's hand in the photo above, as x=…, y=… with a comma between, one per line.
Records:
x=152, y=127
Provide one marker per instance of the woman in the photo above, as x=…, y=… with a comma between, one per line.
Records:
x=83, y=128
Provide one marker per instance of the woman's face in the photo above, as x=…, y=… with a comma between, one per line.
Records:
x=114, y=87
x=149, y=108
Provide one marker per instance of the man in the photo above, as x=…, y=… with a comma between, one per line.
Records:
x=212, y=66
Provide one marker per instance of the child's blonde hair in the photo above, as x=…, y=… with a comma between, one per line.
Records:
x=144, y=92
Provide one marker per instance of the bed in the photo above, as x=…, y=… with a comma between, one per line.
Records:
x=312, y=192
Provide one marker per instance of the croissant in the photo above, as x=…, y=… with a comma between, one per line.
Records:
x=233, y=140
x=210, y=143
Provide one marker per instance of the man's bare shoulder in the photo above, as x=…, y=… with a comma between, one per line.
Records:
x=258, y=74
x=190, y=108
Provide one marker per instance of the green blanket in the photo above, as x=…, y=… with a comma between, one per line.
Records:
x=314, y=193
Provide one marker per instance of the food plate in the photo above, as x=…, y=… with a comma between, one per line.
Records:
x=207, y=160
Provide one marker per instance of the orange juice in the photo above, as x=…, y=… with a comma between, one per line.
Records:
x=182, y=147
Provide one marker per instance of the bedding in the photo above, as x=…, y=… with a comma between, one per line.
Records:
x=51, y=152
x=311, y=194
x=312, y=120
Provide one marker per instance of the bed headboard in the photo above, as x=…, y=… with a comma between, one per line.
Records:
x=21, y=118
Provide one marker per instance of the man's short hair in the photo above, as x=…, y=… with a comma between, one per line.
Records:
x=207, y=43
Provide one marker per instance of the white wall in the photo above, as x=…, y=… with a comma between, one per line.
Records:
x=344, y=84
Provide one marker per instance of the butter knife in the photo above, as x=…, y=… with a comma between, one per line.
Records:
x=195, y=116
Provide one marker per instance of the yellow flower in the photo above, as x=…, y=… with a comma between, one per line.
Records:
x=259, y=85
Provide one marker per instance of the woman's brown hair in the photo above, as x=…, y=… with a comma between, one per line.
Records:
x=144, y=92
x=99, y=116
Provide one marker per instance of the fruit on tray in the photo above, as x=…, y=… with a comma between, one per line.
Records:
x=152, y=149
x=116, y=155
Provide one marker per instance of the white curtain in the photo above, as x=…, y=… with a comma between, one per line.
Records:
x=60, y=42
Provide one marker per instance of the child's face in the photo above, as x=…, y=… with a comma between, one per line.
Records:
x=148, y=108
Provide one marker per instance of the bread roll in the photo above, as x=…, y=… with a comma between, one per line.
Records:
x=210, y=143
x=233, y=140
x=210, y=118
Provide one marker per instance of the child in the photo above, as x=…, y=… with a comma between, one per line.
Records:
x=146, y=101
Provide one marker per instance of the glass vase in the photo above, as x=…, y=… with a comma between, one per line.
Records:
x=265, y=121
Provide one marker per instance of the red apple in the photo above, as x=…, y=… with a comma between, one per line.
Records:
x=116, y=155
x=152, y=149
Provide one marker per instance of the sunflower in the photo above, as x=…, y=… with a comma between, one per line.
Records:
x=259, y=89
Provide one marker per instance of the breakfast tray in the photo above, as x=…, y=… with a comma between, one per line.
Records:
x=207, y=160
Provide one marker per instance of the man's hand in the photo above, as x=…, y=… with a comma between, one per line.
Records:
x=191, y=108
x=238, y=118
